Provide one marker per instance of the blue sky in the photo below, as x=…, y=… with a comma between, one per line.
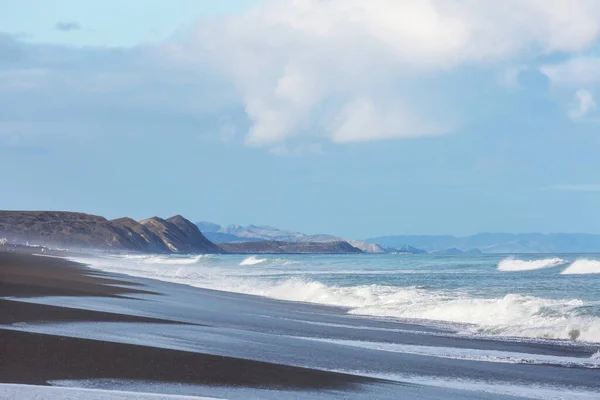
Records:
x=346, y=117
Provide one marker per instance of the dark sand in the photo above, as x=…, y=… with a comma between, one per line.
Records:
x=32, y=358
x=62, y=321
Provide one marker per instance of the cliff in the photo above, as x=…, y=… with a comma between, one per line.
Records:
x=78, y=230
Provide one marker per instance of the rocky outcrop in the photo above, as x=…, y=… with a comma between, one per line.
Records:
x=144, y=239
x=193, y=236
x=78, y=230
x=277, y=247
x=180, y=237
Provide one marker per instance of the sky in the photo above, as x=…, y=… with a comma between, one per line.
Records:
x=346, y=117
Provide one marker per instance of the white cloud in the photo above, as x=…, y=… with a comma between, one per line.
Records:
x=312, y=71
x=575, y=72
x=325, y=68
x=584, y=104
x=363, y=120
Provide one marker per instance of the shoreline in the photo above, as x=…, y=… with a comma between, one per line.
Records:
x=444, y=326
x=29, y=276
x=71, y=322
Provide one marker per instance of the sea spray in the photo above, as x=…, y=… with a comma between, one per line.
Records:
x=510, y=313
x=583, y=266
x=512, y=265
x=253, y=260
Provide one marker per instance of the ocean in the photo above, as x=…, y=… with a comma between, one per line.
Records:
x=551, y=296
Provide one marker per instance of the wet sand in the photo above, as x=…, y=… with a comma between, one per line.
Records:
x=32, y=358
x=63, y=323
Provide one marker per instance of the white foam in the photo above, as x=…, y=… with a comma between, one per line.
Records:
x=545, y=392
x=253, y=260
x=510, y=264
x=167, y=260
x=510, y=315
x=32, y=392
x=583, y=266
x=494, y=356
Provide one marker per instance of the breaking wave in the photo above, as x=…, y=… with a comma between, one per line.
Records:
x=510, y=315
x=583, y=266
x=167, y=260
x=253, y=260
x=512, y=265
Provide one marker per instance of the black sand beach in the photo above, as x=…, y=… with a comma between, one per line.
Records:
x=62, y=323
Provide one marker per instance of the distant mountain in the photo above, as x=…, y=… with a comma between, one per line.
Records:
x=219, y=237
x=366, y=247
x=206, y=227
x=406, y=249
x=78, y=230
x=450, y=252
x=499, y=242
x=474, y=251
x=269, y=233
x=255, y=233
x=275, y=247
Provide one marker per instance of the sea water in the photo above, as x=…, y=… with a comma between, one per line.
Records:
x=554, y=296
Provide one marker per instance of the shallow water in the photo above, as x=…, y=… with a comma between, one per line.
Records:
x=534, y=296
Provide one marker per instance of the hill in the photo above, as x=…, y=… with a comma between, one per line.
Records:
x=260, y=233
x=274, y=247
x=85, y=231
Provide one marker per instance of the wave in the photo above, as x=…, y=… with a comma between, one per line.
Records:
x=511, y=315
x=253, y=260
x=583, y=266
x=494, y=356
x=167, y=260
x=512, y=265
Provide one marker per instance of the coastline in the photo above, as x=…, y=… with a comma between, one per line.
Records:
x=89, y=325
x=30, y=276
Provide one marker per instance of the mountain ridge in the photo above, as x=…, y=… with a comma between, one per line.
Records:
x=86, y=231
x=498, y=243
x=255, y=233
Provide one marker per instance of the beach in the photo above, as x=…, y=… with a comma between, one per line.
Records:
x=66, y=325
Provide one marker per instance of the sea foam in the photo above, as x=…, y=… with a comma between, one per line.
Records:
x=583, y=266
x=512, y=265
x=253, y=260
x=167, y=260
x=508, y=315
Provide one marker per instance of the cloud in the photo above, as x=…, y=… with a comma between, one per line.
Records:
x=348, y=70
x=67, y=26
x=574, y=72
x=584, y=104
x=576, y=188
x=49, y=91
x=307, y=72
